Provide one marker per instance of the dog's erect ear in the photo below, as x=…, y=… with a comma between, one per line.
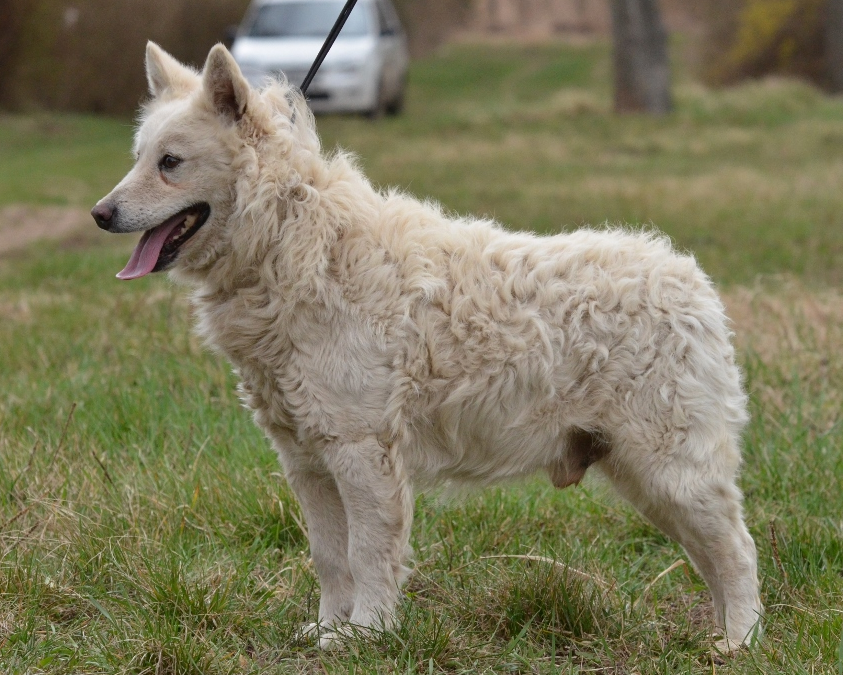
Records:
x=225, y=86
x=165, y=75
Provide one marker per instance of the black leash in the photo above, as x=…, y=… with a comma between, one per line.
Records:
x=329, y=41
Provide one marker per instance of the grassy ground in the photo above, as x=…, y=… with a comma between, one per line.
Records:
x=144, y=525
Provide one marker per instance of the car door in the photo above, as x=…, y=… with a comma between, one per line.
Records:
x=392, y=48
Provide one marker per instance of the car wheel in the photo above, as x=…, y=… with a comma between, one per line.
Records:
x=396, y=105
x=379, y=108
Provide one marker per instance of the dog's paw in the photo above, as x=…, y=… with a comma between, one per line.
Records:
x=327, y=637
x=724, y=649
x=308, y=632
x=331, y=639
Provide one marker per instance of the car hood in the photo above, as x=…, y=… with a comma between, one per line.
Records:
x=297, y=53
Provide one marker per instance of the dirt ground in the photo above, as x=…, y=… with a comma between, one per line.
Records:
x=22, y=224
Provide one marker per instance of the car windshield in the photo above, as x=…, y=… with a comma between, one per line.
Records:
x=306, y=19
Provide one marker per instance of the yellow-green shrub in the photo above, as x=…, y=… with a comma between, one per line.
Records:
x=753, y=38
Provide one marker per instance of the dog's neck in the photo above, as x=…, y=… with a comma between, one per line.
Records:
x=281, y=262
x=284, y=245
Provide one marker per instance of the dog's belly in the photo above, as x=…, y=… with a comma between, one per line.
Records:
x=478, y=441
x=430, y=461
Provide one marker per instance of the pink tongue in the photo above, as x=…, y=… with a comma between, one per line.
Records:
x=147, y=251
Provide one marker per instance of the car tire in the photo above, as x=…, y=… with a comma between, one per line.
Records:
x=380, y=106
x=396, y=105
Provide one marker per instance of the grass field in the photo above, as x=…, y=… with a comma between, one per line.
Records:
x=144, y=524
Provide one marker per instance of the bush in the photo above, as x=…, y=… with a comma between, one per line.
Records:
x=87, y=56
x=753, y=38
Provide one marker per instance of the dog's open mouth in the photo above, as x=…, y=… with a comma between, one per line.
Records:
x=158, y=247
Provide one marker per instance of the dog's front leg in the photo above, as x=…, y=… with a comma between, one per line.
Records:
x=379, y=510
x=328, y=535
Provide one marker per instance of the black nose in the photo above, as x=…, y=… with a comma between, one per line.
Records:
x=104, y=215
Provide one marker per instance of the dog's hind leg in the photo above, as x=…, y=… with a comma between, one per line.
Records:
x=379, y=507
x=692, y=497
x=327, y=531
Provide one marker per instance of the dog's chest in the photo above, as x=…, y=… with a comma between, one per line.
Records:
x=319, y=374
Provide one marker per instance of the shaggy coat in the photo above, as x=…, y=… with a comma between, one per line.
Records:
x=383, y=344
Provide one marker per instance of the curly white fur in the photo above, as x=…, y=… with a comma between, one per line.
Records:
x=382, y=343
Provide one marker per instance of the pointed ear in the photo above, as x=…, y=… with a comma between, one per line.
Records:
x=165, y=75
x=226, y=88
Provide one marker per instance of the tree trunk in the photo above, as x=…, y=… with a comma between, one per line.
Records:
x=12, y=13
x=834, y=44
x=642, y=71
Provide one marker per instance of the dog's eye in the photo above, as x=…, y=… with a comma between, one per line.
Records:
x=169, y=162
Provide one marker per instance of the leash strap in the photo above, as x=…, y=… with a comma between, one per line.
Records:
x=329, y=41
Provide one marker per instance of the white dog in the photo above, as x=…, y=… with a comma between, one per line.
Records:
x=382, y=344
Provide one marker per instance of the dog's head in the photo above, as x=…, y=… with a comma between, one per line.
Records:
x=196, y=139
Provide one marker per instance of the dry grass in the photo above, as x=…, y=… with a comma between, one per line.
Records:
x=796, y=334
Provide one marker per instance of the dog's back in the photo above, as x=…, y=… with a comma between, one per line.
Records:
x=509, y=343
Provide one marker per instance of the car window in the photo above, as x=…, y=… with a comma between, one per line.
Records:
x=388, y=21
x=383, y=25
x=307, y=19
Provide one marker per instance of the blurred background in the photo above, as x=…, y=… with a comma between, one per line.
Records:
x=718, y=121
x=84, y=55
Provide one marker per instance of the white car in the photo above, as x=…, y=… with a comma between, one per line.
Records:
x=365, y=71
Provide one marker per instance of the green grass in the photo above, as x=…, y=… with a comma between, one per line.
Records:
x=144, y=523
x=51, y=159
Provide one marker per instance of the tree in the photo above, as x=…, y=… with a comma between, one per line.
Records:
x=642, y=70
x=834, y=44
